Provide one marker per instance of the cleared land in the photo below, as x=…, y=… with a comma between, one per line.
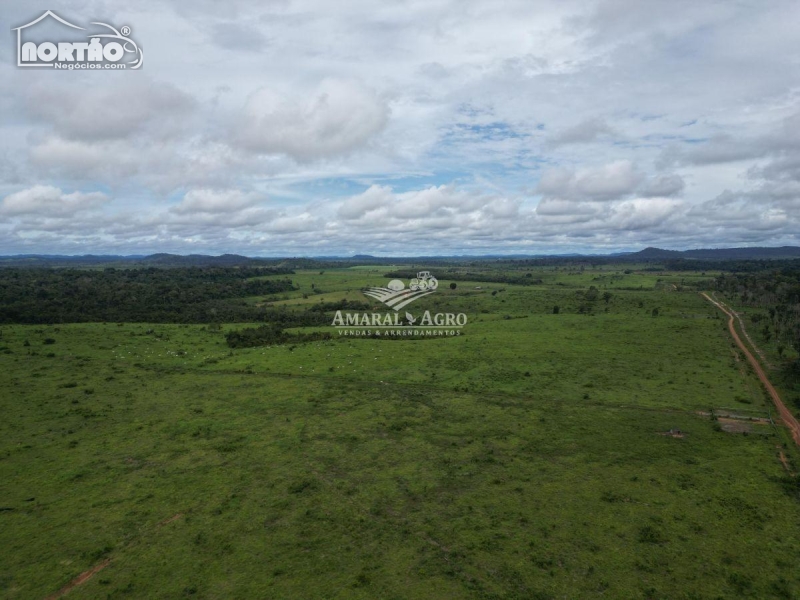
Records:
x=535, y=456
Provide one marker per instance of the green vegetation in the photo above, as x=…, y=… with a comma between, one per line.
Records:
x=770, y=301
x=776, y=293
x=566, y=444
x=267, y=335
x=184, y=295
x=469, y=275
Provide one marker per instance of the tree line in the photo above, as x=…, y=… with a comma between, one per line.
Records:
x=777, y=292
x=514, y=279
x=270, y=335
x=179, y=295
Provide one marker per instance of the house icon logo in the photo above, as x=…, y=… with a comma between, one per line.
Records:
x=109, y=48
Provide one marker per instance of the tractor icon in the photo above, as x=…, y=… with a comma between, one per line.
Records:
x=424, y=281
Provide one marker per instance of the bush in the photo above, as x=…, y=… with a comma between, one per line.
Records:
x=650, y=535
x=267, y=335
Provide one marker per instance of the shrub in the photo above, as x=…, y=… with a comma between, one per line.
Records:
x=268, y=335
x=650, y=535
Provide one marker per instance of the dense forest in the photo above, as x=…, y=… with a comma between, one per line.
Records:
x=733, y=266
x=179, y=295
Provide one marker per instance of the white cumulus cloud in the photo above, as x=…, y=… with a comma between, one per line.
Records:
x=48, y=201
x=338, y=117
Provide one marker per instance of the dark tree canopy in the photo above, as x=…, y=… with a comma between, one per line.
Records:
x=180, y=295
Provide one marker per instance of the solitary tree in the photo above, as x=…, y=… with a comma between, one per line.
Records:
x=453, y=285
x=606, y=296
x=555, y=309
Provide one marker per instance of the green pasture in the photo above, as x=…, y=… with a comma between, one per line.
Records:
x=535, y=455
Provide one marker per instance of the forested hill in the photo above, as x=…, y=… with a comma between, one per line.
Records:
x=165, y=260
x=154, y=260
x=756, y=253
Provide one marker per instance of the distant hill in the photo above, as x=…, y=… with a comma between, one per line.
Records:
x=197, y=260
x=153, y=260
x=56, y=260
x=165, y=260
x=755, y=253
x=653, y=254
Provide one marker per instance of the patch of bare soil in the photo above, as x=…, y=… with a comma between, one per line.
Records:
x=87, y=575
x=734, y=425
x=784, y=461
x=170, y=520
x=79, y=580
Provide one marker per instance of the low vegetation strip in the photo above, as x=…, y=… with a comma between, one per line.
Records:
x=270, y=335
x=786, y=416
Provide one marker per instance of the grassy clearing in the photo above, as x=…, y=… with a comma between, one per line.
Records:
x=523, y=459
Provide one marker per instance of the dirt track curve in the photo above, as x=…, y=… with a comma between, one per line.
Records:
x=786, y=416
x=79, y=580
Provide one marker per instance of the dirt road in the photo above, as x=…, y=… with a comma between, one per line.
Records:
x=786, y=416
x=79, y=580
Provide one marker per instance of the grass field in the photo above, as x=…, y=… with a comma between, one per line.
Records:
x=529, y=457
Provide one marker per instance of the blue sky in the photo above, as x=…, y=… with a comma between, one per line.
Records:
x=435, y=127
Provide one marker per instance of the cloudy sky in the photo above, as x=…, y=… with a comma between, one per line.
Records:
x=309, y=127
